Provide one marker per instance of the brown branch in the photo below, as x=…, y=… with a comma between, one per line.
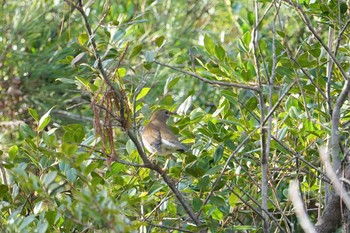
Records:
x=212, y=82
x=165, y=177
x=120, y=98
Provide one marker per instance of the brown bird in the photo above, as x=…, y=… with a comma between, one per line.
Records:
x=158, y=137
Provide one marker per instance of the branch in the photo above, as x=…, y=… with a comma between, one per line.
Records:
x=224, y=169
x=212, y=82
x=120, y=98
x=165, y=177
x=335, y=125
x=169, y=228
x=312, y=30
x=340, y=190
x=263, y=142
x=294, y=196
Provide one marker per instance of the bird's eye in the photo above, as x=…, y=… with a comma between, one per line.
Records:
x=167, y=112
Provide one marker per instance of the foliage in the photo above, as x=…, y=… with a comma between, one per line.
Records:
x=180, y=55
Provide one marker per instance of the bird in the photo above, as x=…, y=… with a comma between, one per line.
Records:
x=158, y=138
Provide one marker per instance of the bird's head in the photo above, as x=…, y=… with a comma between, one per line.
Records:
x=162, y=115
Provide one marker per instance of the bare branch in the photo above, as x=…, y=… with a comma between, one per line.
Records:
x=334, y=178
x=264, y=155
x=294, y=196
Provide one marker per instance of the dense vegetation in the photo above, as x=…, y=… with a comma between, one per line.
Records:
x=258, y=86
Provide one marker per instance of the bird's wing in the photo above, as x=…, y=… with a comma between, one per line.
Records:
x=170, y=138
x=152, y=133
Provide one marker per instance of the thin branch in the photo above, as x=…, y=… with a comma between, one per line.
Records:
x=334, y=178
x=170, y=228
x=212, y=82
x=296, y=155
x=121, y=98
x=272, y=110
x=313, y=31
x=255, y=210
x=224, y=169
x=294, y=196
x=329, y=70
x=263, y=144
x=335, y=125
x=165, y=177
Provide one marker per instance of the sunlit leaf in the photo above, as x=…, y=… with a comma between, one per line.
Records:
x=160, y=41
x=143, y=93
x=83, y=38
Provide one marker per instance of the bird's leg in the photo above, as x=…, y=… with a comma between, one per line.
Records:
x=165, y=165
x=151, y=157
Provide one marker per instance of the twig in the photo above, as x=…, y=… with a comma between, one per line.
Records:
x=224, y=169
x=212, y=82
x=254, y=209
x=296, y=155
x=312, y=30
x=170, y=228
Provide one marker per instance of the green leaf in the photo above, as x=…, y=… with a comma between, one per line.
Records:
x=42, y=226
x=96, y=179
x=186, y=105
x=83, y=38
x=217, y=214
x=204, y=183
x=121, y=72
x=118, y=35
x=217, y=201
x=115, y=169
x=65, y=80
x=51, y=216
x=315, y=52
x=246, y=39
x=159, y=41
x=143, y=93
x=209, y=45
x=130, y=146
x=28, y=220
x=77, y=58
x=37, y=207
x=233, y=199
x=137, y=49
x=74, y=133
x=13, y=151
x=220, y=52
x=198, y=168
x=244, y=228
x=218, y=154
x=197, y=203
x=71, y=175
x=68, y=149
x=49, y=178
x=149, y=56
x=44, y=120
x=34, y=114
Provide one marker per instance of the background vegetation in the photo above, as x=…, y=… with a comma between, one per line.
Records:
x=258, y=86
